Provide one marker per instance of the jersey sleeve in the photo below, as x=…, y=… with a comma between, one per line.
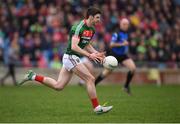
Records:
x=114, y=38
x=78, y=29
x=73, y=33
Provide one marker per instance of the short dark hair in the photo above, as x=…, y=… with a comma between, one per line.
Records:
x=92, y=11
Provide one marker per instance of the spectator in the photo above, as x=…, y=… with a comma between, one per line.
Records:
x=52, y=20
x=11, y=56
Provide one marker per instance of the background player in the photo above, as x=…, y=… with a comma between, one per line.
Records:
x=119, y=49
x=78, y=44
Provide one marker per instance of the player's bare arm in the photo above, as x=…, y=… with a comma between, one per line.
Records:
x=90, y=48
x=75, y=47
x=125, y=43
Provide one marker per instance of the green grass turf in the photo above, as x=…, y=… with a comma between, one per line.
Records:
x=41, y=104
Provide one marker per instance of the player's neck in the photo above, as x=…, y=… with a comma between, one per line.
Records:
x=88, y=23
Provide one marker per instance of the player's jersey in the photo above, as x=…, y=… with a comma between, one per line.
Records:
x=85, y=34
x=120, y=37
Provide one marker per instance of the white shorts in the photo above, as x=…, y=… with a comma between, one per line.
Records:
x=70, y=61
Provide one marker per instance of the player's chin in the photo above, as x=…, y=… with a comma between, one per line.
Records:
x=97, y=22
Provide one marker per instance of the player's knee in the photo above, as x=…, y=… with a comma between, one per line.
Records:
x=90, y=78
x=58, y=87
x=133, y=69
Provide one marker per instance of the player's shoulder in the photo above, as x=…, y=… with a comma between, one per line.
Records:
x=78, y=24
x=114, y=34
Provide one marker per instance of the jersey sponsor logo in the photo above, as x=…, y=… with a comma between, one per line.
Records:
x=87, y=33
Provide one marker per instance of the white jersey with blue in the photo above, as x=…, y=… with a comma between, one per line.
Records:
x=120, y=37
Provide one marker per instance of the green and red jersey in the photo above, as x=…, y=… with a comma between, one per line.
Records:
x=83, y=32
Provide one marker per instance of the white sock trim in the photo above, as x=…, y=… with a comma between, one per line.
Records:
x=33, y=77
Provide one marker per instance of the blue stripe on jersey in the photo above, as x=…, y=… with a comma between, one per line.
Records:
x=120, y=37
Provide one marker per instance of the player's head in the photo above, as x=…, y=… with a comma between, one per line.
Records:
x=124, y=24
x=94, y=15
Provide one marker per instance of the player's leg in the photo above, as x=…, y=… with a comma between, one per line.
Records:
x=63, y=79
x=103, y=75
x=81, y=71
x=89, y=66
x=129, y=63
x=12, y=73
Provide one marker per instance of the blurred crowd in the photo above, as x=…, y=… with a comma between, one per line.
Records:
x=37, y=30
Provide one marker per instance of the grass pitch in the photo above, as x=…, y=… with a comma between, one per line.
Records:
x=41, y=104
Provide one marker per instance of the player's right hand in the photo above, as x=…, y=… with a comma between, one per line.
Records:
x=95, y=57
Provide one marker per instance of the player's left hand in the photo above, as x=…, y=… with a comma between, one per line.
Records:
x=101, y=54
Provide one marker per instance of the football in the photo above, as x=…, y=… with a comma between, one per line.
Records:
x=110, y=62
